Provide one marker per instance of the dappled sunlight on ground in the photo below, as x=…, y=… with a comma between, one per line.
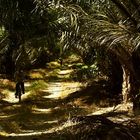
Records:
x=60, y=90
x=44, y=107
x=120, y=118
x=36, y=75
x=7, y=116
x=102, y=110
x=38, y=110
x=8, y=91
x=120, y=109
x=51, y=122
x=10, y=96
x=63, y=72
x=27, y=84
x=54, y=129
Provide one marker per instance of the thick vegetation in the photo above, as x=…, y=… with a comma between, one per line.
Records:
x=97, y=39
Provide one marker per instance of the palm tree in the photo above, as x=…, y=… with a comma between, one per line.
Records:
x=24, y=22
x=131, y=53
x=14, y=16
x=119, y=36
x=114, y=26
x=110, y=25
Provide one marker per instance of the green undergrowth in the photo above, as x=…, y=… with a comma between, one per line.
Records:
x=38, y=112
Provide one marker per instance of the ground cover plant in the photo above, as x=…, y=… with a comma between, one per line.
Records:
x=81, y=63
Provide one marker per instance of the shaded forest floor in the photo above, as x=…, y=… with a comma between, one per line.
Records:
x=51, y=102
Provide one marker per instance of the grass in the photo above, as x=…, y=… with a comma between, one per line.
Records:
x=40, y=112
x=31, y=113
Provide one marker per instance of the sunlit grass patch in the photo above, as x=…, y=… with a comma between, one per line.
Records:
x=53, y=64
x=36, y=110
x=34, y=96
x=7, y=84
x=6, y=93
x=39, y=111
x=36, y=75
x=36, y=85
x=53, y=75
x=64, y=72
x=3, y=134
x=60, y=90
x=72, y=59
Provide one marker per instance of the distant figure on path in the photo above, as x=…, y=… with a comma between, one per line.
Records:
x=19, y=78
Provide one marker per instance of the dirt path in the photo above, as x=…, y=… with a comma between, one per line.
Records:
x=60, y=90
x=57, y=90
x=10, y=95
x=42, y=109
